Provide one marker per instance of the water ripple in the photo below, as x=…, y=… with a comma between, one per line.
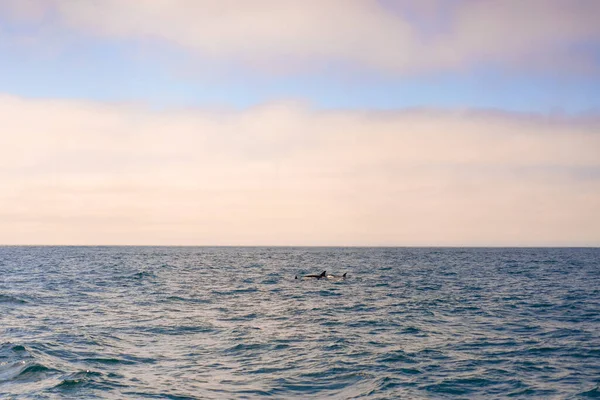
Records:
x=228, y=323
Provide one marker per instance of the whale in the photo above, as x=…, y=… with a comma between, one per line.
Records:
x=315, y=276
x=336, y=276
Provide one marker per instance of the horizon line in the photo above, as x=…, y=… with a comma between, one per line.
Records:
x=315, y=246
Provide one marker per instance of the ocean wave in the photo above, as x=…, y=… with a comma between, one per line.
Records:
x=233, y=323
x=23, y=371
x=9, y=299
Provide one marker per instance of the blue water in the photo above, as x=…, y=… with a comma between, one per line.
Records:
x=218, y=323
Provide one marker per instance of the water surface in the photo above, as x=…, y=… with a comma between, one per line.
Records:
x=197, y=322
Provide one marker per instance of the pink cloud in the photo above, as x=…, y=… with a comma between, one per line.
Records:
x=84, y=172
x=392, y=36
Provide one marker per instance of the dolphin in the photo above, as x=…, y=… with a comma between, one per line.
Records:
x=336, y=276
x=321, y=275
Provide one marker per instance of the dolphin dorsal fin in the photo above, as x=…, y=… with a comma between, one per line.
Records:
x=323, y=274
x=344, y=274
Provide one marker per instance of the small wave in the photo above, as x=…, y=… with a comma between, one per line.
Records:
x=77, y=379
x=157, y=395
x=23, y=370
x=107, y=361
x=593, y=393
x=9, y=371
x=522, y=392
x=235, y=291
x=242, y=348
x=396, y=357
x=8, y=347
x=327, y=293
x=175, y=330
x=410, y=371
x=363, y=307
x=143, y=274
x=312, y=385
x=386, y=383
x=17, y=364
x=430, y=288
x=247, y=317
x=68, y=383
x=246, y=290
x=34, y=369
x=585, y=353
x=188, y=300
x=411, y=330
x=543, y=350
x=121, y=359
x=4, y=298
x=448, y=387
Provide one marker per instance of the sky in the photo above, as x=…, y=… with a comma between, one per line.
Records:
x=288, y=122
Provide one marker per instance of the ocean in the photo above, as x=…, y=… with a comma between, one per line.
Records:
x=233, y=323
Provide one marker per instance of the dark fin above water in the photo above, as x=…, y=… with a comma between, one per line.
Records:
x=322, y=275
x=343, y=276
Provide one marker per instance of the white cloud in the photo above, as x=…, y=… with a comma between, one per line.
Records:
x=77, y=172
x=393, y=36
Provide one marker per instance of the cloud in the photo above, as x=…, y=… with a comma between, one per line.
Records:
x=395, y=36
x=283, y=173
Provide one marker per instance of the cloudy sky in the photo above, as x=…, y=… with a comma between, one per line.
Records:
x=300, y=122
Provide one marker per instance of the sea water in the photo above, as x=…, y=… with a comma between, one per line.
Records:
x=219, y=323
